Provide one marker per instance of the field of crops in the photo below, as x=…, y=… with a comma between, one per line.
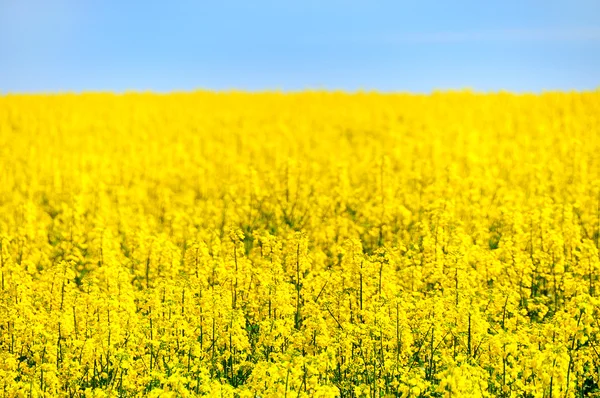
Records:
x=300, y=245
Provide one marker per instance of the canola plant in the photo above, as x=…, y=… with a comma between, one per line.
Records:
x=313, y=244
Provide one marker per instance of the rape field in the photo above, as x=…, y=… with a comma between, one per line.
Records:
x=315, y=244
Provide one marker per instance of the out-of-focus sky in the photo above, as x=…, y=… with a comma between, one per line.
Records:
x=418, y=46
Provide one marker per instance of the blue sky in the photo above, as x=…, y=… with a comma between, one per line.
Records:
x=418, y=46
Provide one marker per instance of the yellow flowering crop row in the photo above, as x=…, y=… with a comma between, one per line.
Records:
x=300, y=245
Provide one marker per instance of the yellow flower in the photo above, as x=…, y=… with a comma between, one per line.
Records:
x=310, y=244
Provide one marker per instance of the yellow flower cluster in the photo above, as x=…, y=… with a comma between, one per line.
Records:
x=300, y=245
